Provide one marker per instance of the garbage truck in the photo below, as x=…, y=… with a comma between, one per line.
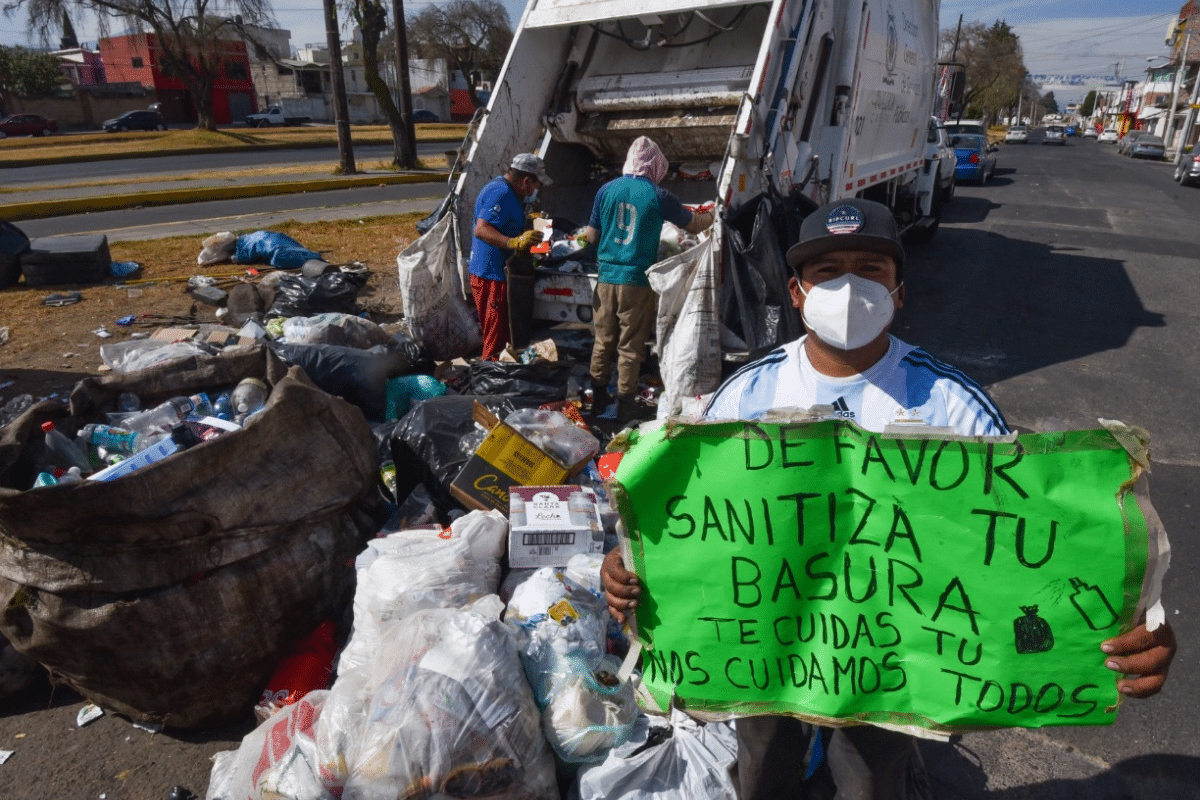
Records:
x=784, y=104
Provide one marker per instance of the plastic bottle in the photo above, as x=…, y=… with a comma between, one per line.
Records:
x=223, y=407
x=62, y=451
x=181, y=438
x=73, y=475
x=203, y=406
x=249, y=396
x=116, y=440
x=44, y=479
x=162, y=417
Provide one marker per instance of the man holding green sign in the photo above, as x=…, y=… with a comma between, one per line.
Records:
x=898, y=579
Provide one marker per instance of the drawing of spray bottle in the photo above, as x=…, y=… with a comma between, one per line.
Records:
x=1092, y=605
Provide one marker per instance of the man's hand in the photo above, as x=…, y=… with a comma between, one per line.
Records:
x=1144, y=655
x=621, y=587
x=525, y=241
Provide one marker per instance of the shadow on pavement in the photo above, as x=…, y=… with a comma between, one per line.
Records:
x=970, y=300
x=957, y=774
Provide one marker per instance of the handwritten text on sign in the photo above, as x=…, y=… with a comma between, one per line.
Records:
x=821, y=570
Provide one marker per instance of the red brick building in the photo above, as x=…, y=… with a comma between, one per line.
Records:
x=136, y=58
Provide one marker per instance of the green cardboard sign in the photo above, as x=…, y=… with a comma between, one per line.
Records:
x=823, y=571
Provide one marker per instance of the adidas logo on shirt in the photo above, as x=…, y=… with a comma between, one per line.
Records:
x=840, y=409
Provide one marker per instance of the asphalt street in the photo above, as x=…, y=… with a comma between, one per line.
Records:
x=1067, y=287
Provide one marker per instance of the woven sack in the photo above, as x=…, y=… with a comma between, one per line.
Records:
x=171, y=594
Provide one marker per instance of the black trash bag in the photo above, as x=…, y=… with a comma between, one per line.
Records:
x=755, y=303
x=298, y=296
x=425, y=225
x=357, y=376
x=413, y=354
x=539, y=382
x=13, y=244
x=433, y=442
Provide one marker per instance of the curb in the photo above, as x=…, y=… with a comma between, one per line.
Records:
x=41, y=209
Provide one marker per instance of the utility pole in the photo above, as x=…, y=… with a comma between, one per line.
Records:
x=1190, y=119
x=341, y=109
x=1175, y=93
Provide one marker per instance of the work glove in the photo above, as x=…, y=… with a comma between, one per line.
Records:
x=701, y=220
x=525, y=241
x=532, y=215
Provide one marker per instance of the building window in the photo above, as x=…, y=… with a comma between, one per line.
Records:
x=137, y=61
x=282, y=70
x=235, y=70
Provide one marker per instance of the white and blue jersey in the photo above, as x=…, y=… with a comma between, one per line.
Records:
x=906, y=386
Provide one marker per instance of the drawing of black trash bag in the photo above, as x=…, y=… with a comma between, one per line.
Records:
x=1032, y=633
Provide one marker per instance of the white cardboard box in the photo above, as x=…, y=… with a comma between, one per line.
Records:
x=549, y=524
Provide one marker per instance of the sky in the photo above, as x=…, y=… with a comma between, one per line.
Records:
x=1059, y=37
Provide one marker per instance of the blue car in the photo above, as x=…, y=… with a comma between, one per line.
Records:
x=1072, y=130
x=976, y=159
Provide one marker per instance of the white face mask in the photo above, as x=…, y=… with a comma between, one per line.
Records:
x=848, y=312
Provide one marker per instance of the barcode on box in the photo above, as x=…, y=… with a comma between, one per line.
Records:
x=538, y=539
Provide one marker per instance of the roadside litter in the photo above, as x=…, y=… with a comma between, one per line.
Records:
x=299, y=513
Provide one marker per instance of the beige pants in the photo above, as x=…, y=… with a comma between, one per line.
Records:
x=624, y=321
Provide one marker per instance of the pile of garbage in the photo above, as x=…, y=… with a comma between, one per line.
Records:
x=327, y=522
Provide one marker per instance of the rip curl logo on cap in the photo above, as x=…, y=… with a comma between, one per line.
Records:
x=844, y=219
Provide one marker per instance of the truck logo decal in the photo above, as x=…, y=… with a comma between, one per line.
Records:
x=844, y=219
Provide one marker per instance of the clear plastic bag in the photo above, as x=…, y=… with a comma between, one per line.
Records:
x=137, y=354
x=411, y=570
x=677, y=760
x=586, y=709
x=278, y=759
x=336, y=328
x=447, y=714
x=555, y=434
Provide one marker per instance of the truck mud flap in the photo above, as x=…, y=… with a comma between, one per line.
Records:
x=755, y=304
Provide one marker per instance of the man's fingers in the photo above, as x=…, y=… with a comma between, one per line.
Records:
x=1143, y=686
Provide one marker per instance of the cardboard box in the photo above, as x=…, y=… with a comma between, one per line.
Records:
x=505, y=459
x=549, y=524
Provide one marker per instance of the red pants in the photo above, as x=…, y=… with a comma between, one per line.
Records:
x=491, y=301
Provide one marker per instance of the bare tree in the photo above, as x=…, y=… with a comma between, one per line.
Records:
x=994, y=66
x=372, y=18
x=188, y=33
x=472, y=35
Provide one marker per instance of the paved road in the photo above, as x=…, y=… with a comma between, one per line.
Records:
x=167, y=166
x=1068, y=286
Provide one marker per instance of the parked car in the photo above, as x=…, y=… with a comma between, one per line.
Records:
x=136, y=121
x=976, y=159
x=1017, y=133
x=1148, y=146
x=966, y=126
x=1188, y=170
x=938, y=149
x=27, y=125
x=1108, y=135
x=1127, y=141
x=424, y=115
x=1055, y=134
x=1089, y=132
x=1072, y=130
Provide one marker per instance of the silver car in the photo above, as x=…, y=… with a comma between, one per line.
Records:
x=1148, y=146
x=1055, y=134
x=1188, y=170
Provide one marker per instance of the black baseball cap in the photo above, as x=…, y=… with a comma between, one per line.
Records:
x=851, y=224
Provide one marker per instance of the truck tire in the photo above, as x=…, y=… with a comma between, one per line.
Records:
x=264, y=123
